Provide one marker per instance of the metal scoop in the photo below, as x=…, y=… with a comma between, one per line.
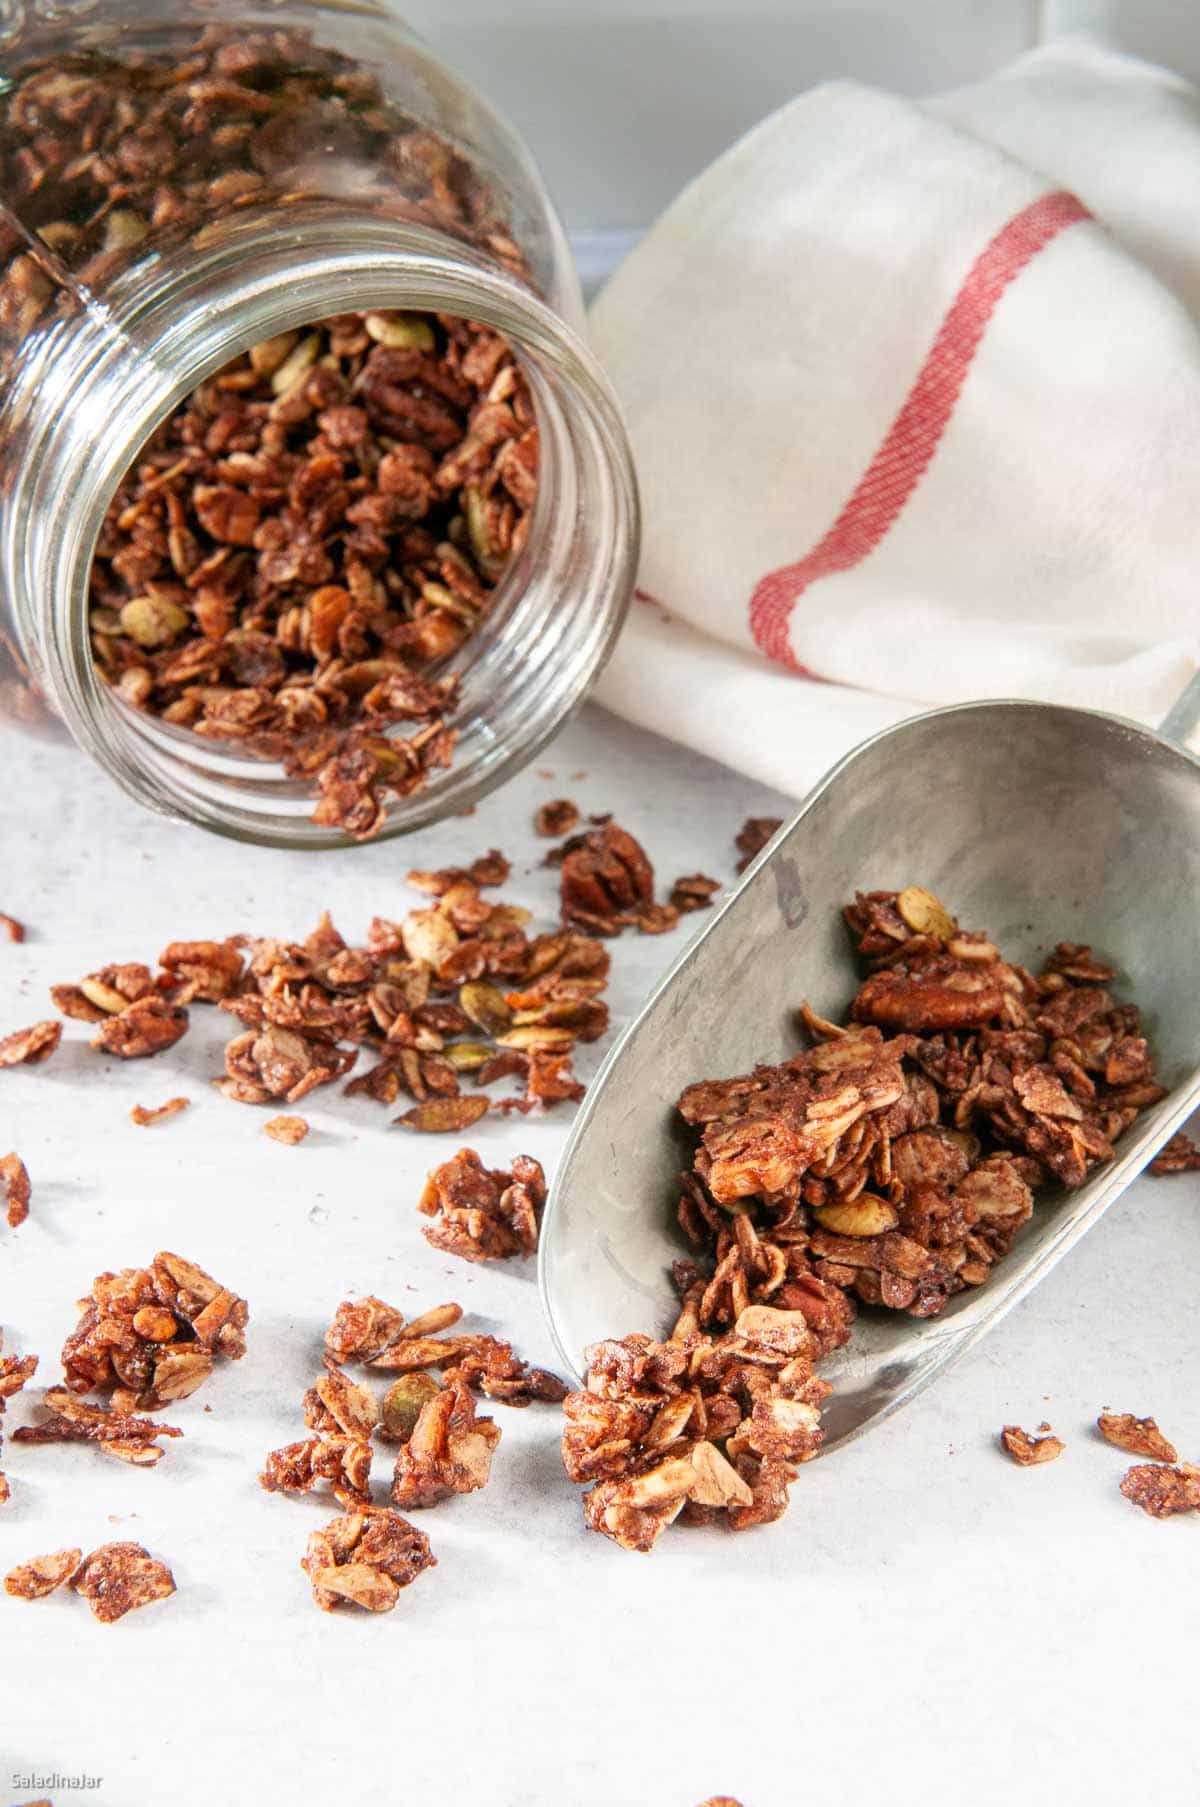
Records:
x=1035, y=822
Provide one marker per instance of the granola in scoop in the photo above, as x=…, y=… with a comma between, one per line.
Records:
x=897, y=1158
x=890, y=1164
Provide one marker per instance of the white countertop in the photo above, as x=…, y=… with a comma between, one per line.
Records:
x=929, y=1623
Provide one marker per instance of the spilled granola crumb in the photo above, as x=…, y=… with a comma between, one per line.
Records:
x=14, y=1177
x=1029, y=1451
x=1137, y=1436
x=288, y=1130
x=157, y=1113
x=1163, y=1491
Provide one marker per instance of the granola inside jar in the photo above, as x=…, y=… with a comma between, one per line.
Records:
x=317, y=515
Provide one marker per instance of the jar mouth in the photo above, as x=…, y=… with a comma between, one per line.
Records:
x=105, y=380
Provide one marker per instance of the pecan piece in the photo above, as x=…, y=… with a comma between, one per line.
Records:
x=924, y=1005
x=605, y=879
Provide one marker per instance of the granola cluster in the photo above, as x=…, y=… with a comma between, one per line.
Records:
x=449, y=991
x=151, y=1335
x=1162, y=1491
x=442, y=1445
x=699, y=1428
x=895, y=1161
x=116, y=1431
x=365, y=1558
x=15, y=1372
x=1163, y=1485
x=145, y=1337
x=890, y=1164
x=342, y=1416
x=327, y=518
x=483, y=1214
x=114, y=1580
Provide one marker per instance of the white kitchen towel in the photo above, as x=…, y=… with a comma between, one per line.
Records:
x=914, y=393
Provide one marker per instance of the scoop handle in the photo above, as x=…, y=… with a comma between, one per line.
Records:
x=1181, y=724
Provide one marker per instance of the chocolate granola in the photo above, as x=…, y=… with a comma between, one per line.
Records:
x=114, y=1580
x=1137, y=1436
x=483, y=1214
x=41, y=1575
x=26, y=1047
x=152, y=1335
x=364, y=1559
x=124, y=1435
x=1029, y=1450
x=897, y=1159
x=157, y=1113
x=1180, y=1155
x=699, y=1428
x=453, y=993
x=314, y=530
x=753, y=836
x=1161, y=1490
x=14, y=1178
x=120, y=1577
x=890, y=1164
x=15, y=1372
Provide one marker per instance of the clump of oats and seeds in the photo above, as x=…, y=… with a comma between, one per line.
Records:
x=891, y=1164
x=443, y=1446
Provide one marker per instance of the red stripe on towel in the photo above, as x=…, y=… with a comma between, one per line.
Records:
x=912, y=439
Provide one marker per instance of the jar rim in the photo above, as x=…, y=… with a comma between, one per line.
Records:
x=105, y=379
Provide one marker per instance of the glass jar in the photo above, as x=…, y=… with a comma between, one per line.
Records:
x=244, y=173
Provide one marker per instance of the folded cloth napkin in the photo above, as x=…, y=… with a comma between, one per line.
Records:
x=914, y=393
